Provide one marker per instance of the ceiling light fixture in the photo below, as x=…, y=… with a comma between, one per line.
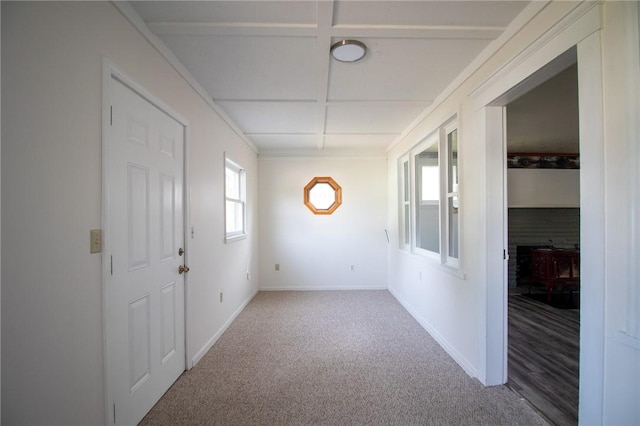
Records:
x=348, y=50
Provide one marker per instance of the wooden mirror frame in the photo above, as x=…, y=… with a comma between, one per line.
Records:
x=333, y=184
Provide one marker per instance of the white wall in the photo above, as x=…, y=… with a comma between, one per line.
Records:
x=459, y=309
x=51, y=179
x=316, y=251
x=52, y=348
x=621, y=78
x=543, y=188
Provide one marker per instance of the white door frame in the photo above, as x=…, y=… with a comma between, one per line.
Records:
x=111, y=72
x=580, y=29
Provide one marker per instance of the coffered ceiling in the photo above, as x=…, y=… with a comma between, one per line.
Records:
x=267, y=64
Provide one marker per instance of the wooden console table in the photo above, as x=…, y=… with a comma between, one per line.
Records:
x=554, y=267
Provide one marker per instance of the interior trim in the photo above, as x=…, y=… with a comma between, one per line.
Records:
x=132, y=16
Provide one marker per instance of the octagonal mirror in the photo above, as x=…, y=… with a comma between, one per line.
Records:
x=322, y=195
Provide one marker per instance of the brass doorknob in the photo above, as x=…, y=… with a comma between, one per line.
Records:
x=183, y=268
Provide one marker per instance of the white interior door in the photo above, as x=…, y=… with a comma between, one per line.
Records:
x=144, y=237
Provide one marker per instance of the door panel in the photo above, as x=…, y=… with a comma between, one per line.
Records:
x=144, y=231
x=138, y=216
x=167, y=210
x=139, y=342
x=168, y=318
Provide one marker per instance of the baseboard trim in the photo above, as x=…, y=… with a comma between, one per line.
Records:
x=449, y=349
x=198, y=356
x=325, y=288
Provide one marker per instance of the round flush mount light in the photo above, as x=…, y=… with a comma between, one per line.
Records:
x=348, y=50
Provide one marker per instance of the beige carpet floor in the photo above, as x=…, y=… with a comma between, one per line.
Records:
x=332, y=358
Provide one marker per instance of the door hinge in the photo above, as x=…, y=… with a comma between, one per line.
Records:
x=114, y=413
x=505, y=256
x=111, y=264
x=111, y=115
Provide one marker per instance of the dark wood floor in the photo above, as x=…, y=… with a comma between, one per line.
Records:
x=543, y=357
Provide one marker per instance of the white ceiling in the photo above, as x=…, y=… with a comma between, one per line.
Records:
x=267, y=63
x=545, y=120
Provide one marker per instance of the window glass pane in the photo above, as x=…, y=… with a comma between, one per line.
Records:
x=234, y=192
x=430, y=183
x=405, y=166
x=322, y=196
x=427, y=231
x=405, y=203
x=452, y=145
x=234, y=216
x=407, y=224
x=453, y=226
x=232, y=184
x=452, y=189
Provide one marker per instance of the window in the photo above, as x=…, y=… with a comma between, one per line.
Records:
x=322, y=195
x=405, y=202
x=235, y=200
x=429, y=220
x=452, y=206
x=427, y=187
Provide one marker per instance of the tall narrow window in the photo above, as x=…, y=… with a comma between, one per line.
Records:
x=429, y=200
x=405, y=203
x=453, y=221
x=235, y=200
x=427, y=186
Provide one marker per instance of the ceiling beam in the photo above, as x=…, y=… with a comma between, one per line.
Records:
x=323, y=63
x=311, y=30
x=326, y=134
x=365, y=102
x=233, y=29
x=139, y=24
x=417, y=31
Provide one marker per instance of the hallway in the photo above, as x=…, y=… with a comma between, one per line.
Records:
x=332, y=357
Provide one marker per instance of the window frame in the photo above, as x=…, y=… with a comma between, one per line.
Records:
x=416, y=189
x=447, y=190
x=404, y=202
x=451, y=193
x=337, y=195
x=236, y=168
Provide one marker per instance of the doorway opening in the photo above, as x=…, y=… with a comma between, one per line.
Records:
x=543, y=235
x=573, y=44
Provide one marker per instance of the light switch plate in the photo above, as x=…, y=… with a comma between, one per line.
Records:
x=95, y=242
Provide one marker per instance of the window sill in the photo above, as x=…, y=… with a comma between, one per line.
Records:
x=233, y=238
x=454, y=270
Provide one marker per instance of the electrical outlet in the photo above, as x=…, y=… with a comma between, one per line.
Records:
x=352, y=268
x=221, y=296
x=248, y=276
x=420, y=276
x=277, y=266
x=95, y=241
